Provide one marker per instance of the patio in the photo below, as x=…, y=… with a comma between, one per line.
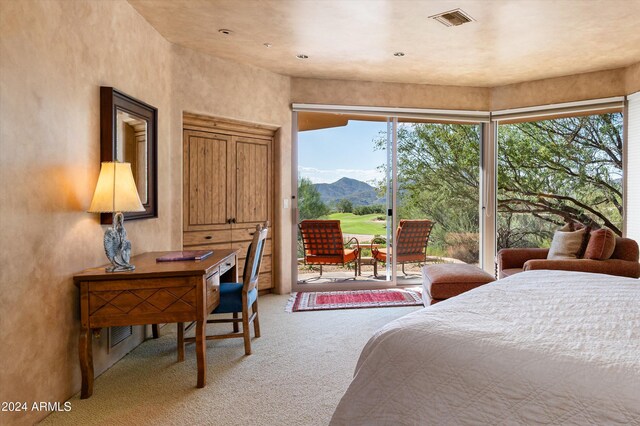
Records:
x=331, y=274
x=327, y=255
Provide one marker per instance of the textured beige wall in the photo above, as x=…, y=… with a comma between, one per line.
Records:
x=601, y=84
x=593, y=85
x=215, y=87
x=632, y=79
x=55, y=56
x=345, y=92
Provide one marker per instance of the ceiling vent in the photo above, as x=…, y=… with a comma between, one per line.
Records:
x=452, y=18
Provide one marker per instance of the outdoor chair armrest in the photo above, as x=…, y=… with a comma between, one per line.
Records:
x=350, y=244
x=374, y=249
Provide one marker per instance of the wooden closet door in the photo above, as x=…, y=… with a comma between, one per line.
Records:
x=228, y=186
x=207, y=190
x=252, y=181
x=253, y=203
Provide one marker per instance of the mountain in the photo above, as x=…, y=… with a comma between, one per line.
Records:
x=358, y=192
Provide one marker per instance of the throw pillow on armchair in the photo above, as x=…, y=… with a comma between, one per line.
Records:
x=602, y=244
x=568, y=243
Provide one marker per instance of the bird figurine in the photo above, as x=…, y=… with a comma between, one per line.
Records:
x=117, y=247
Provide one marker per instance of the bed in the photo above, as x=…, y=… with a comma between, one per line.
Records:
x=552, y=347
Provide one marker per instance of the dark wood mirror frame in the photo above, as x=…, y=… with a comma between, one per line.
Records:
x=112, y=101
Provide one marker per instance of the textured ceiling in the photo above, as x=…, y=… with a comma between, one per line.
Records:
x=510, y=41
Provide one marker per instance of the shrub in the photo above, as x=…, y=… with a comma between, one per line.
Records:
x=372, y=209
x=463, y=246
x=344, y=206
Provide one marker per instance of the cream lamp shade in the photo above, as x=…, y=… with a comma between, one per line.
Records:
x=116, y=190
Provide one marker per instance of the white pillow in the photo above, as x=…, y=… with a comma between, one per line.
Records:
x=566, y=245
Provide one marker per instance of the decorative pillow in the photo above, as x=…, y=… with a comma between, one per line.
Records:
x=601, y=245
x=567, y=245
x=576, y=226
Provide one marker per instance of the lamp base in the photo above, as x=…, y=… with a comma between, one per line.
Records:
x=116, y=268
x=117, y=247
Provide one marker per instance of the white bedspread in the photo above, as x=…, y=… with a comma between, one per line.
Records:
x=549, y=347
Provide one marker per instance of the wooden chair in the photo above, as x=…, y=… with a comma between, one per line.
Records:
x=411, y=243
x=238, y=298
x=323, y=244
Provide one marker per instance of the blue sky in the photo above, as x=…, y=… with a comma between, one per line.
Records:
x=326, y=155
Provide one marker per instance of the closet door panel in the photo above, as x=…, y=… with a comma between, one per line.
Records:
x=206, y=187
x=253, y=175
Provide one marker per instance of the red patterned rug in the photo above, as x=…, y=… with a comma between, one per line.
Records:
x=325, y=300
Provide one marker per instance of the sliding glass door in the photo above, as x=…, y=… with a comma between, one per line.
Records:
x=343, y=198
x=405, y=192
x=438, y=196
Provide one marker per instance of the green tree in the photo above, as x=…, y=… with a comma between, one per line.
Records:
x=563, y=169
x=310, y=205
x=372, y=209
x=438, y=178
x=344, y=206
x=549, y=172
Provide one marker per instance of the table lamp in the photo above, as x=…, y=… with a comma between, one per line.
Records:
x=115, y=193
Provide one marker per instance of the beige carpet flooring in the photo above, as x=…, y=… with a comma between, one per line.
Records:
x=299, y=370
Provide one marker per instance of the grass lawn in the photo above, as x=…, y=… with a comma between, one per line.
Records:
x=354, y=224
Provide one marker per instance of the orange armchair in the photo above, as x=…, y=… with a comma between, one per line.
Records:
x=623, y=262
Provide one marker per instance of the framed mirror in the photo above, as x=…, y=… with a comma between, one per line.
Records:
x=129, y=133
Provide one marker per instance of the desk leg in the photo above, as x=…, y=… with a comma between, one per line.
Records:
x=155, y=329
x=180, y=330
x=86, y=362
x=201, y=354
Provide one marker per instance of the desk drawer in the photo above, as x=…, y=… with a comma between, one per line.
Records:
x=213, y=291
x=229, y=263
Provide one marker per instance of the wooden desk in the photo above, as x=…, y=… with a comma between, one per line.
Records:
x=155, y=292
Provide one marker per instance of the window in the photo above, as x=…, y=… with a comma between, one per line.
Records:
x=558, y=170
x=510, y=183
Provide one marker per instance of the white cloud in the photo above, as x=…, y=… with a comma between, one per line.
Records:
x=332, y=175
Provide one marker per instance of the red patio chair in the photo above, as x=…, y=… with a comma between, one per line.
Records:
x=324, y=245
x=411, y=243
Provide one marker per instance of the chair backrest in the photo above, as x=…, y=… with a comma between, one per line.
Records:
x=322, y=238
x=412, y=237
x=254, y=258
